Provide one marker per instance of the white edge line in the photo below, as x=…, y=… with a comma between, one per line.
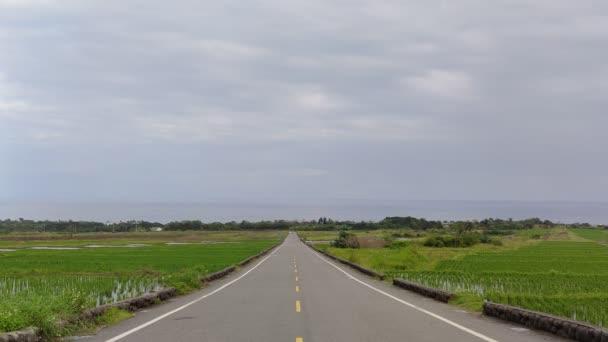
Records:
x=443, y=319
x=129, y=332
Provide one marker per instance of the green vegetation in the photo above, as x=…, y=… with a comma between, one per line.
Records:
x=113, y=316
x=38, y=287
x=558, y=271
x=346, y=240
x=460, y=240
x=598, y=235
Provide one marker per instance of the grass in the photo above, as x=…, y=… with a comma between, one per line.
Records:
x=557, y=271
x=599, y=235
x=112, y=316
x=39, y=287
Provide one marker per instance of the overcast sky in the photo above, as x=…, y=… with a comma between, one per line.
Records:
x=316, y=99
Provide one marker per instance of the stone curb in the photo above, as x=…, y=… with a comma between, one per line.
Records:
x=25, y=335
x=439, y=295
x=133, y=304
x=559, y=326
x=348, y=263
x=219, y=274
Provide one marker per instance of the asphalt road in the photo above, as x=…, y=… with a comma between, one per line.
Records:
x=295, y=294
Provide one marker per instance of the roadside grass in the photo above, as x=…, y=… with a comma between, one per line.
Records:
x=413, y=257
x=112, y=316
x=557, y=271
x=40, y=287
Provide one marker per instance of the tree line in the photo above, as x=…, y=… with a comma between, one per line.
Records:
x=323, y=223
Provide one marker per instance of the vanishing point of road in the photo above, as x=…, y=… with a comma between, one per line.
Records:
x=296, y=294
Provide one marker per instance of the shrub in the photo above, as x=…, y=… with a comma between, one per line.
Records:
x=346, y=240
x=461, y=240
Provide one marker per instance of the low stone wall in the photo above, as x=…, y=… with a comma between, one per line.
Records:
x=559, y=326
x=25, y=335
x=132, y=304
x=351, y=264
x=439, y=295
x=219, y=274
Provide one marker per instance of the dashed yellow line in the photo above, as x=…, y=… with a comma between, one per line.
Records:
x=298, y=306
x=297, y=288
x=299, y=339
x=296, y=278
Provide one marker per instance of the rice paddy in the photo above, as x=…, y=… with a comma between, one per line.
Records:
x=43, y=281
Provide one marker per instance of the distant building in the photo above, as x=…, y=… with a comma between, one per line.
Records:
x=156, y=229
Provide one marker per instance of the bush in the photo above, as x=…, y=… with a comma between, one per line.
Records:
x=346, y=240
x=461, y=240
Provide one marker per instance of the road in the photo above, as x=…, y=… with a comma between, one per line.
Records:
x=295, y=294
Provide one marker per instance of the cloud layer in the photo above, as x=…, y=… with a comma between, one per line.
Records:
x=152, y=100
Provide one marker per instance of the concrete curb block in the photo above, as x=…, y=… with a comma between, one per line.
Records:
x=133, y=304
x=440, y=295
x=348, y=263
x=25, y=335
x=559, y=326
x=219, y=274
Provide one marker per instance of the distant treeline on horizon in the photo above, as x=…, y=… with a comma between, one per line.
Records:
x=323, y=223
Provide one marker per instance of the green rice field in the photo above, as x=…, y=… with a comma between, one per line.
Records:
x=46, y=280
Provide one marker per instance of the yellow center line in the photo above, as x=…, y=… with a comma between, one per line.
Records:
x=297, y=288
x=299, y=339
x=296, y=278
x=297, y=306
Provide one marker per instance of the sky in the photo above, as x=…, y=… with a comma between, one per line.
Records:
x=186, y=101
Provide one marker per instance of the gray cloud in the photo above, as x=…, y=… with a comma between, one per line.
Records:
x=366, y=99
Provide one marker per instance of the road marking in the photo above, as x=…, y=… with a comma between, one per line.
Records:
x=296, y=278
x=297, y=288
x=298, y=306
x=127, y=333
x=443, y=319
x=299, y=339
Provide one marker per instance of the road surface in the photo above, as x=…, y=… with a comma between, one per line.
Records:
x=295, y=294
